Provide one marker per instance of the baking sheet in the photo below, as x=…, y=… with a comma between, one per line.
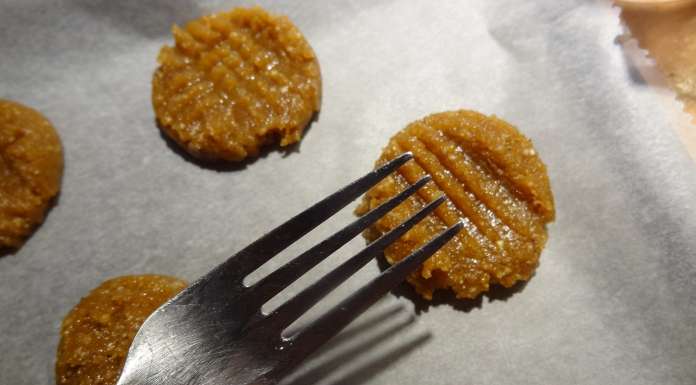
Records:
x=614, y=300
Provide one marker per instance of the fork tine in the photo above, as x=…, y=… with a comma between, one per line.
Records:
x=289, y=311
x=278, y=280
x=315, y=334
x=260, y=251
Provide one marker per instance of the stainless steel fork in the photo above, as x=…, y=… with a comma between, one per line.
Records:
x=214, y=332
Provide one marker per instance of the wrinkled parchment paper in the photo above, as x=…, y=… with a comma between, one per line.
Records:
x=613, y=302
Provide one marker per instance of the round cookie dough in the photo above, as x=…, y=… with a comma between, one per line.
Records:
x=495, y=183
x=235, y=81
x=31, y=167
x=97, y=333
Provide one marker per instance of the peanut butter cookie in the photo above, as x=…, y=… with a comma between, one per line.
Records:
x=496, y=184
x=31, y=167
x=235, y=81
x=97, y=333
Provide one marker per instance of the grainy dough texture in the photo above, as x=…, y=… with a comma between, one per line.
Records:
x=496, y=184
x=31, y=167
x=96, y=334
x=235, y=81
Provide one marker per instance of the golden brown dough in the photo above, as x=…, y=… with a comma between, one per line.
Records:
x=235, y=81
x=495, y=183
x=31, y=166
x=96, y=334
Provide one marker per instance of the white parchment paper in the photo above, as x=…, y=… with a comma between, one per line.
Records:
x=613, y=302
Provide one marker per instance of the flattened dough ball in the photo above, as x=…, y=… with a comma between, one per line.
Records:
x=235, y=81
x=496, y=184
x=31, y=167
x=96, y=334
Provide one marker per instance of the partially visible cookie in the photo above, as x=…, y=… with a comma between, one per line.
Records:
x=235, y=81
x=495, y=183
x=97, y=333
x=31, y=167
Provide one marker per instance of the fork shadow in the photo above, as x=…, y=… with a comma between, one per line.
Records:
x=386, y=330
x=365, y=372
x=226, y=166
x=447, y=297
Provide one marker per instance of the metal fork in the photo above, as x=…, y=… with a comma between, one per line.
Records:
x=215, y=333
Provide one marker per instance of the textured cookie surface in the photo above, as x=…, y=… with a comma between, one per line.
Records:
x=496, y=184
x=31, y=166
x=235, y=81
x=96, y=334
